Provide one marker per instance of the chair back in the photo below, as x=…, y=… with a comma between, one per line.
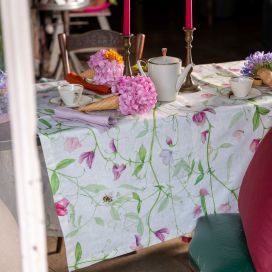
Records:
x=95, y=40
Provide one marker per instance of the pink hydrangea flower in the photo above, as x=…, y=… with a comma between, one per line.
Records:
x=88, y=156
x=106, y=71
x=71, y=144
x=254, y=144
x=137, y=94
x=160, y=234
x=61, y=207
x=117, y=170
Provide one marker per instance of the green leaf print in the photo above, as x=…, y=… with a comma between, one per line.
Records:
x=182, y=164
x=225, y=145
x=132, y=216
x=262, y=110
x=140, y=227
x=164, y=204
x=72, y=214
x=236, y=118
x=72, y=233
x=99, y=221
x=46, y=123
x=142, y=153
x=199, y=178
x=78, y=252
x=114, y=213
x=137, y=169
x=54, y=183
x=142, y=134
x=95, y=188
x=192, y=168
x=64, y=163
x=131, y=187
x=49, y=111
x=136, y=196
x=121, y=200
x=256, y=120
x=200, y=168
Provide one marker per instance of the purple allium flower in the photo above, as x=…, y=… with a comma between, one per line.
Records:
x=112, y=146
x=106, y=71
x=117, y=170
x=160, y=234
x=204, y=136
x=203, y=192
x=256, y=61
x=88, y=156
x=167, y=156
x=199, y=118
x=254, y=144
x=137, y=94
x=169, y=141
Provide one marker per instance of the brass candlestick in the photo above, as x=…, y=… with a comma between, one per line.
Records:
x=127, y=45
x=188, y=85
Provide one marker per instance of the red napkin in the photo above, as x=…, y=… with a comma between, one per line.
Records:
x=99, y=89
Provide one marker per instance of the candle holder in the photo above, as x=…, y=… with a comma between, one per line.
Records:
x=188, y=85
x=127, y=45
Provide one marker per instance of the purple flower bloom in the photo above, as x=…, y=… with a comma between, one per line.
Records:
x=256, y=61
x=112, y=146
x=88, y=156
x=61, y=207
x=117, y=170
x=137, y=94
x=137, y=245
x=160, y=234
x=204, y=136
x=254, y=144
x=167, y=156
x=199, y=118
x=197, y=211
x=203, y=192
x=169, y=141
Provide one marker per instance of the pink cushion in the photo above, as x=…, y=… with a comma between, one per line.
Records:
x=255, y=205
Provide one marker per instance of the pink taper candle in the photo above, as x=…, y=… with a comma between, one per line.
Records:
x=126, y=26
x=189, y=15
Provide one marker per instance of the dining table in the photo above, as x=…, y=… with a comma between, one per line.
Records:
x=117, y=187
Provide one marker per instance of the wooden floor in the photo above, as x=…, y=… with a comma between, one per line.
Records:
x=168, y=256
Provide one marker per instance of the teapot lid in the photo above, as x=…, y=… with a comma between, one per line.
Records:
x=164, y=60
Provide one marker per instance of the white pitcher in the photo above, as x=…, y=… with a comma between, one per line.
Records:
x=167, y=75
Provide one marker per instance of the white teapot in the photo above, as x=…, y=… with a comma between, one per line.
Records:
x=167, y=75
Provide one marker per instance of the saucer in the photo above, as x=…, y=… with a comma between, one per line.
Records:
x=252, y=94
x=83, y=101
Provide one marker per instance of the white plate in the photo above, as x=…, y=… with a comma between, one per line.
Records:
x=252, y=94
x=83, y=101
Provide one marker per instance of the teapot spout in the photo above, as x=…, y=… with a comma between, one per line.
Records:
x=183, y=75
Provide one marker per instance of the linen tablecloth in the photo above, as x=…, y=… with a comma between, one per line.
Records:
x=150, y=177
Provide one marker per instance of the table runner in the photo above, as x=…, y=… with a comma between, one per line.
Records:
x=150, y=177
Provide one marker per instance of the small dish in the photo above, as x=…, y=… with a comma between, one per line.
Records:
x=83, y=101
x=252, y=94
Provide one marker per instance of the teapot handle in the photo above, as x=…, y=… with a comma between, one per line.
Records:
x=140, y=67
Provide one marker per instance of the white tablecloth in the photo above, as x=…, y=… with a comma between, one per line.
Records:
x=151, y=176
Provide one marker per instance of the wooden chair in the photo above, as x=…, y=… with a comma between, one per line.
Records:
x=92, y=41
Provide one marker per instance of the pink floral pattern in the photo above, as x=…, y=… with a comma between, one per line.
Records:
x=117, y=170
x=61, y=207
x=88, y=157
x=71, y=144
x=161, y=233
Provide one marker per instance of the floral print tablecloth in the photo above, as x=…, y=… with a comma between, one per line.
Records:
x=150, y=177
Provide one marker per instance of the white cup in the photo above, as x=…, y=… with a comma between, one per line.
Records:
x=71, y=94
x=241, y=86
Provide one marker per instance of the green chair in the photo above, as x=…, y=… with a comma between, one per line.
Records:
x=219, y=245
